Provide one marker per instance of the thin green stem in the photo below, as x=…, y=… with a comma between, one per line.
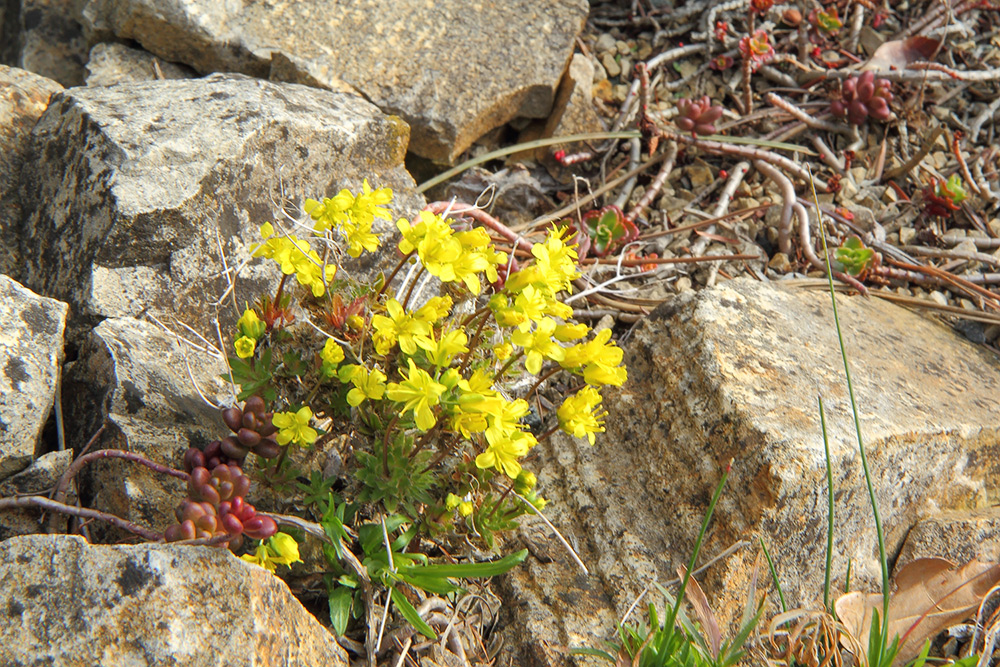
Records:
x=669, y=621
x=529, y=145
x=774, y=575
x=829, y=514
x=883, y=561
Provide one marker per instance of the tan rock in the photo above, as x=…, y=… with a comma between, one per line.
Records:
x=139, y=189
x=452, y=70
x=116, y=63
x=76, y=605
x=733, y=373
x=959, y=536
x=23, y=98
x=31, y=356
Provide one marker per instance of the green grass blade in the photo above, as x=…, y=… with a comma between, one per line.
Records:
x=883, y=561
x=774, y=575
x=672, y=617
x=526, y=146
x=829, y=514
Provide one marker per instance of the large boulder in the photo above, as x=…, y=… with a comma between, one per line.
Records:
x=733, y=374
x=31, y=355
x=146, y=197
x=23, y=98
x=454, y=71
x=69, y=603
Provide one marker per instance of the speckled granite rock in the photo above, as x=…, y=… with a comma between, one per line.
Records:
x=76, y=605
x=44, y=37
x=733, y=373
x=453, y=70
x=116, y=63
x=136, y=190
x=23, y=98
x=959, y=536
x=31, y=355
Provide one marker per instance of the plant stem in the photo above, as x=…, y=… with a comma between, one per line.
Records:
x=672, y=617
x=60, y=491
x=829, y=521
x=883, y=561
x=399, y=265
x=385, y=446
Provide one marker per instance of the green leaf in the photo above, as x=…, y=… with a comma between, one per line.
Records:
x=439, y=585
x=469, y=570
x=340, y=608
x=411, y=615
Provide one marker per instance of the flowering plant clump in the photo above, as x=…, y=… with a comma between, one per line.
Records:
x=864, y=96
x=418, y=383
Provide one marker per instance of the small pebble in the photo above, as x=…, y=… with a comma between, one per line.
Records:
x=779, y=262
x=623, y=47
x=906, y=235
x=604, y=43
x=683, y=284
x=599, y=73
x=611, y=66
x=938, y=297
x=992, y=332
x=626, y=65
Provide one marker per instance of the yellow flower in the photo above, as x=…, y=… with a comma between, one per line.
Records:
x=332, y=354
x=506, y=417
x=419, y=393
x=245, y=347
x=539, y=344
x=281, y=549
x=250, y=325
x=597, y=360
x=435, y=309
x=577, y=416
x=556, y=261
x=294, y=427
x=401, y=326
x=367, y=384
x=503, y=452
x=441, y=352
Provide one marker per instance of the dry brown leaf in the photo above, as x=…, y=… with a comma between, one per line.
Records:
x=703, y=611
x=930, y=594
x=899, y=53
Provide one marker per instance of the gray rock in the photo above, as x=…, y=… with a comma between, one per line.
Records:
x=23, y=98
x=959, y=536
x=733, y=373
x=133, y=377
x=37, y=479
x=116, y=63
x=72, y=604
x=453, y=71
x=44, y=37
x=134, y=188
x=31, y=354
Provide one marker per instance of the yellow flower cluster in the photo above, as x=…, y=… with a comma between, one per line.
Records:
x=295, y=256
x=451, y=256
x=353, y=215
